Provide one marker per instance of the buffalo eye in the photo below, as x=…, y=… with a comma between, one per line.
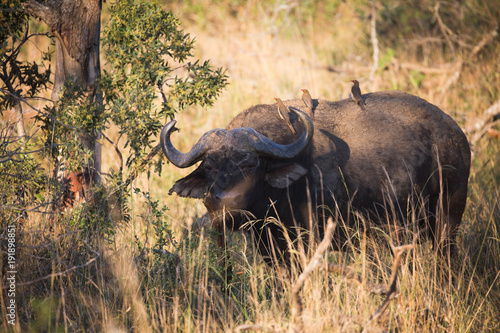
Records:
x=248, y=163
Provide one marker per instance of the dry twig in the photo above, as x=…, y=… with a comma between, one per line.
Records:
x=443, y=27
x=53, y=275
x=392, y=290
x=481, y=126
x=313, y=263
x=374, y=40
x=144, y=163
x=350, y=274
x=487, y=38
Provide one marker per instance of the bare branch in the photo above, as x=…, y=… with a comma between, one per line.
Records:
x=45, y=12
x=349, y=273
x=69, y=270
x=144, y=163
x=51, y=243
x=313, y=263
x=78, y=131
x=15, y=52
x=460, y=63
x=117, y=150
x=444, y=29
x=487, y=128
x=457, y=70
x=162, y=93
x=32, y=210
x=398, y=252
x=485, y=41
x=481, y=126
x=374, y=41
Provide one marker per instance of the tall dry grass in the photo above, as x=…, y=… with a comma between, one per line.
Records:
x=273, y=49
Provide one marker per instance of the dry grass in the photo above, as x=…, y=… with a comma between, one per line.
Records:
x=273, y=50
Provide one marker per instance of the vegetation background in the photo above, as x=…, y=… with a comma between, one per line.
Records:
x=153, y=266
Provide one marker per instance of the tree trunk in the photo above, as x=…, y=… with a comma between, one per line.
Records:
x=76, y=25
x=18, y=109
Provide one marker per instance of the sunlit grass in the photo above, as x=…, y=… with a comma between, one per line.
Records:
x=267, y=55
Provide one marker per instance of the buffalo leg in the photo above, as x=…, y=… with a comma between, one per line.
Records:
x=453, y=209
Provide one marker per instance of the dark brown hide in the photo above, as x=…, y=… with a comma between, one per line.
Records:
x=375, y=160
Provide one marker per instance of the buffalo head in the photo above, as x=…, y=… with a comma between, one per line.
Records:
x=238, y=167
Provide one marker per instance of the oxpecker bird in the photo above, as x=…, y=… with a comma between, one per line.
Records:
x=283, y=112
x=356, y=95
x=307, y=99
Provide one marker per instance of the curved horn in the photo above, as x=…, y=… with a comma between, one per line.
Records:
x=267, y=147
x=243, y=136
x=196, y=153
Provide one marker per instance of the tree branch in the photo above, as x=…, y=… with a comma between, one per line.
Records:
x=374, y=40
x=460, y=63
x=391, y=294
x=78, y=131
x=486, y=40
x=144, y=163
x=46, y=13
x=444, y=29
x=480, y=126
x=69, y=270
x=313, y=263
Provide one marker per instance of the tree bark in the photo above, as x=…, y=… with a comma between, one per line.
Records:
x=76, y=25
x=18, y=109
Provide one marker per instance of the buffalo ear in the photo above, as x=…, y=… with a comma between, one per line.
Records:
x=284, y=176
x=192, y=186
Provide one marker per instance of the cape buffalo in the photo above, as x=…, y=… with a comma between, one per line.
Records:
x=401, y=151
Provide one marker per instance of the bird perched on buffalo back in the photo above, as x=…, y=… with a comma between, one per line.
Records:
x=307, y=99
x=283, y=112
x=356, y=95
